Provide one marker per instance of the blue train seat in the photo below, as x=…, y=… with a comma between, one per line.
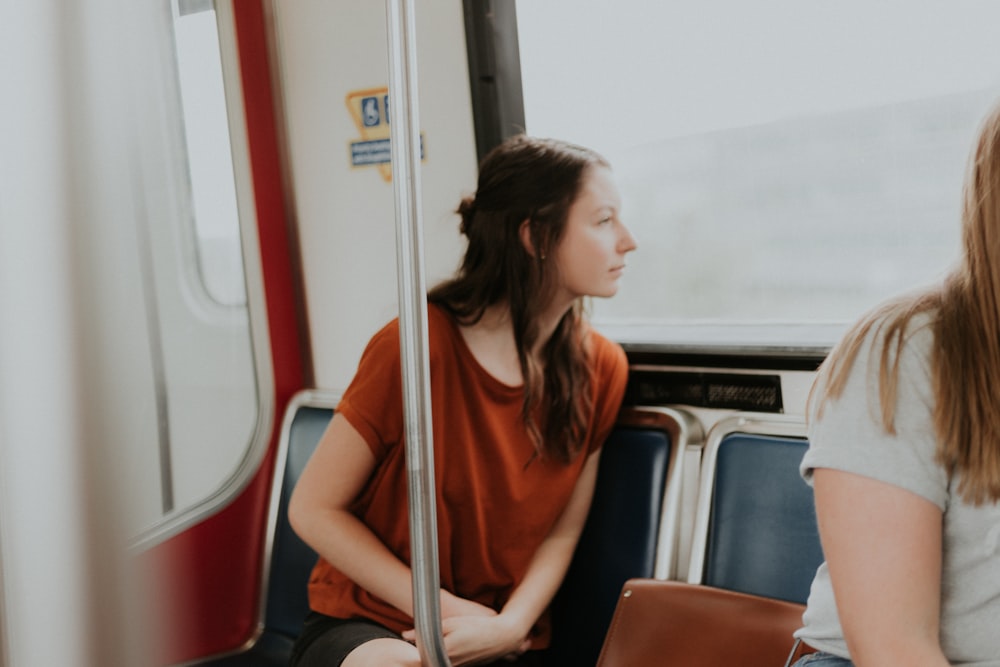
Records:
x=755, y=530
x=630, y=532
x=289, y=559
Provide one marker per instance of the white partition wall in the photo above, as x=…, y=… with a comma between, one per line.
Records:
x=328, y=51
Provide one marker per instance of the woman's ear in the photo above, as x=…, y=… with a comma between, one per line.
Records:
x=524, y=231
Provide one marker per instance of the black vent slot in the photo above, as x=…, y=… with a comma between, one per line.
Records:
x=731, y=391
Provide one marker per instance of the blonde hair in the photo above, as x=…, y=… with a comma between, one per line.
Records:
x=965, y=316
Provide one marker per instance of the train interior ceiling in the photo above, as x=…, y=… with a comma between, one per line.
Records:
x=198, y=239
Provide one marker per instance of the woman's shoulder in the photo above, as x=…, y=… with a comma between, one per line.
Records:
x=911, y=315
x=902, y=326
x=383, y=351
x=439, y=317
x=852, y=427
x=606, y=356
x=386, y=338
x=439, y=324
x=442, y=328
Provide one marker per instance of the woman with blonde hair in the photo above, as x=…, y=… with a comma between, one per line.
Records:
x=904, y=459
x=523, y=394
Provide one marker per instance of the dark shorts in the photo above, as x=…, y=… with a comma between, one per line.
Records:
x=325, y=642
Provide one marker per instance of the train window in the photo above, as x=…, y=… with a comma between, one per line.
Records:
x=206, y=428
x=781, y=163
x=219, y=266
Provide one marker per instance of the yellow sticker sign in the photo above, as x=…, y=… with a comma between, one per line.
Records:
x=370, y=110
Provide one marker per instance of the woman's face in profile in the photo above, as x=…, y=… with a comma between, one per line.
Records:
x=590, y=257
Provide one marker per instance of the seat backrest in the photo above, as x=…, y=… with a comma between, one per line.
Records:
x=622, y=537
x=757, y=517
x=676, y=623
x=291, y=559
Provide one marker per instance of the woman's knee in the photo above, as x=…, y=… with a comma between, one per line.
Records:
x=383, y=652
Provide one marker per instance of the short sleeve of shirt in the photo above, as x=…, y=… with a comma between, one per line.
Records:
x=373, y=401
x=847, y=433
x=610, y=375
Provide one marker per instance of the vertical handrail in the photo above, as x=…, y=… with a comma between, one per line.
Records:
x=405, y=147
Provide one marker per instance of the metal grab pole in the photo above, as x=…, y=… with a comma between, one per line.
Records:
x=405, y=146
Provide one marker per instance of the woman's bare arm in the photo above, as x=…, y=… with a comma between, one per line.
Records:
x=319, y=512
x=883, y=548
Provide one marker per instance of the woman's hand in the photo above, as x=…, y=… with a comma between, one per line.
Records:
x=477, y=640
x=453, y=605
x=476, y=634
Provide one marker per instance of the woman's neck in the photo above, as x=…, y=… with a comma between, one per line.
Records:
x=548, y=321
x=491, y=341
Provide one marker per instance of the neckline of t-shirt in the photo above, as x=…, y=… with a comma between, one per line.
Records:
x=466, y=354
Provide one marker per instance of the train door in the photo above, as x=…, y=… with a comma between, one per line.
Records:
x=144, y=360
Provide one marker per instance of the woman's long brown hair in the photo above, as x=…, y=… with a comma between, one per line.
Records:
x=534, y=180
x=965, y=316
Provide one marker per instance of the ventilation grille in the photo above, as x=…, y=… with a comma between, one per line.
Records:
x=731, y=391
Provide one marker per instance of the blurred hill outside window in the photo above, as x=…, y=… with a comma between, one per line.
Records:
x=785, y=165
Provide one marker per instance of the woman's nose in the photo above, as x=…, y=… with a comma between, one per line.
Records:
x=626, y=242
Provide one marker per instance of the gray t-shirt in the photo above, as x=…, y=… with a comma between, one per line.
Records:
x=850, y=437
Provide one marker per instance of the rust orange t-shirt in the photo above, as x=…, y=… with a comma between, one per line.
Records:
x=494, y=508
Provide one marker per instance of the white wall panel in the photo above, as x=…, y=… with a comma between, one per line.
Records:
x=346, y=215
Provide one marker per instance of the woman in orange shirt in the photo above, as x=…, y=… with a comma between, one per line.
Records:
x=523, y=394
